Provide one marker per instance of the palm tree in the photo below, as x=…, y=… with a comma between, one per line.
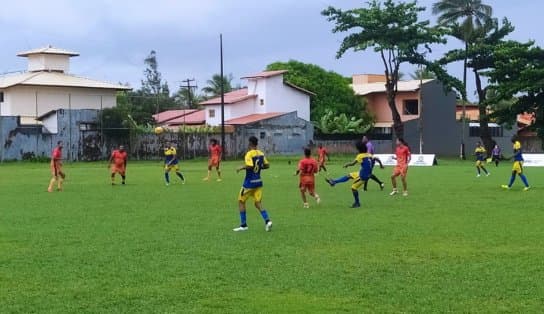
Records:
x=463, y=17
x=214, y=85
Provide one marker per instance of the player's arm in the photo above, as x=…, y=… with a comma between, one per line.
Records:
x=349, y=164
x=378, y=161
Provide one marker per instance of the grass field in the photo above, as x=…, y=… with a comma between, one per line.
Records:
x=457, y=243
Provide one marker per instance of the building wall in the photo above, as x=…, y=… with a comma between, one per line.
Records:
x=283, y=98
x=37, y=100
x=48, y=62
x=379, y=106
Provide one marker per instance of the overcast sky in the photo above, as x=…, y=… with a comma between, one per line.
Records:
x=114, y=37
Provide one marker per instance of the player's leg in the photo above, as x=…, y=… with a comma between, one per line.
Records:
x=311, y=191
x=523, y=177
x=167, y=174
x=333, y=182
x=485, y=170
x=112, y=176
x=404, y=184
x=242, y=198
x=51, y=183
x=209, y=172
x=394, y=176
x=218, y=172
x=123, y=174
x=354, y=191
x=60, y=179
x=257, y=196
x=375, y=179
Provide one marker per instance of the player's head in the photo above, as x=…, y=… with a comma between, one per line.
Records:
x=59, y=144
x=213, y=141
x=400, y=141
x=361, y=147
x=478, y=143
x=307, y=152
x=253, y=141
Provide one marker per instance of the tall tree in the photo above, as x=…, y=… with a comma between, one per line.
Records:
x=423, y=73
x=462, y=17
x=394, y=32
x=153, y=87
x=213, y=88
x=332, y=91
x=481, y=59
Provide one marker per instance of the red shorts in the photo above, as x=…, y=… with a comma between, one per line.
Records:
x=214, y=162
x=307, y=184
x=120, y=169
x=56, y=169
x=400, y=170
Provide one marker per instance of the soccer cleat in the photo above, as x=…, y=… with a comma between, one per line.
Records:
x=50, y=190
x=527, y=188
x=330, y=181
x=393, y=192
x=268, y=226
x=478, y=175
x=506, y=187
x=219, y=180
x=405, y=193
x=167, y=184
x=206, y=179
x=123, y=183
x=306, y=205
x=355, y=205
x=382, y=185
x=317, y=199
x=241, y=228
x=487, y=174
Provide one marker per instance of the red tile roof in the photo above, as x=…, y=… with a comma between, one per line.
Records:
x=265, y=74
x=252, y=118
x=230, y=97
x=195, y=117
x=168, y=115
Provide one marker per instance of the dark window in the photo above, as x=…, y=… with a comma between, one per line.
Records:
x=495, y=131
x=262, y=135
x=411, y=107
x=211, y=112
x=1, y=96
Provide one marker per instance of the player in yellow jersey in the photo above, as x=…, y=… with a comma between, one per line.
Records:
x=517, y=168
x=480, y=159
x=171, y=162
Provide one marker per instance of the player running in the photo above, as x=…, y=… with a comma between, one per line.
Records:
x=57, y=174
x=402, y=155
x=214, y=160
x=255, y=161
x=480, y=159
x=322, y=156
x=307, y=168
x=171, y=162
x=118, y=164
x=517, y=168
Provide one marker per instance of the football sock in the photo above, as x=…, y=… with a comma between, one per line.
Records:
x=264, y=214
x=342, y=179
x=355, y=196
x=478, y=170
x=180, y=176
x=524, y=179
x=243, y=221
x=373, y=177
x=167, y=177
x=512, y=178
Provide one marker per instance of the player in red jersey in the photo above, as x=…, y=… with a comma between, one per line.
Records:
x=56, y=168
x=118, y=164
x=214, y=159
x=322, y=156
x=307, y=168
x=402, y=155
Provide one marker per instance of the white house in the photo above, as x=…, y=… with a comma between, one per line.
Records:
x=266, y=93
x=47, y=85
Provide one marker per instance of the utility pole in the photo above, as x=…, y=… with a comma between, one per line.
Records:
x=222, y=97
x=189, y=87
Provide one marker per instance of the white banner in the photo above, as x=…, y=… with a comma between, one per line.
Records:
x=417, y=159
x=533, y=160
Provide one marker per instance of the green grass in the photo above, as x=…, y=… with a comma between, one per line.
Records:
x=457, y=244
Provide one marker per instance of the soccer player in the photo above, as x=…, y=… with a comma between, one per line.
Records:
x=118, y=164
x=214, y=159
x=517, y=168
x=255, y=161
x=480, y=159
x=402, y=155
x=57, y=175
x=171, y=163
x=496, y=155
x=365, y=160
x=322, y=156
x=307, y=168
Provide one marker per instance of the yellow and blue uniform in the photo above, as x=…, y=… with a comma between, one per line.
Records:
x=518, y=158
x=255, y=161
x=365, y=160
x=480, y=155
x=170, y=159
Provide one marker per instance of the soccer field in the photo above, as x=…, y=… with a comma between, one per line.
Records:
x=457, y=243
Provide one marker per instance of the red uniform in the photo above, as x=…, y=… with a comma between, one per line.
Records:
x=215, y=155
x=307, y=167
x=403, y=158
x=322, y=153
x=56, y=162
x=119, y=162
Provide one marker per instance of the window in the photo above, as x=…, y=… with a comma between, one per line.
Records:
x=211, y=113
x=1, y=96
x=88, y=127
x=382, y=130
x=494, y=130
x=411, y=107
x=262, y=135
x=262, y=102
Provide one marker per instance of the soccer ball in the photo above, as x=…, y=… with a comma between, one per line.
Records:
x=159, y=130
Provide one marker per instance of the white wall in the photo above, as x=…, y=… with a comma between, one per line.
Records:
x=37, y=100
x=283, y=98
x=41, y=62
x=51, y=123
